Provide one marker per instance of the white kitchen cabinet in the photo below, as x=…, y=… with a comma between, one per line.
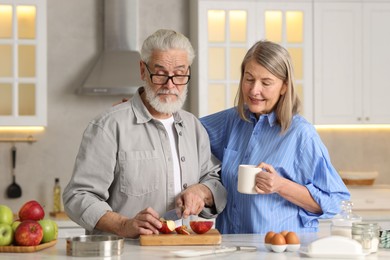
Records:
x=23, y=62
x=222, y=31
x=351, y=55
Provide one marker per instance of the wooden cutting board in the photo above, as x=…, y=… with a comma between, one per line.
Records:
x=26, y=249
x=213, y=237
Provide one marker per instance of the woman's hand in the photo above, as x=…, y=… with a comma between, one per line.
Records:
x=268, y=180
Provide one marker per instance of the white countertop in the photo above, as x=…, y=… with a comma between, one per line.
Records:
x=132, y=250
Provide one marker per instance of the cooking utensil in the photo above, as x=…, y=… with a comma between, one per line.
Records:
x=193, y=253
x=174, y=214
x=94, y=245
x=14, y=190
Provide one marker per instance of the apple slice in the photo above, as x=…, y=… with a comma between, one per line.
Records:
x=201, y=227
x=167, y=226
x=182, y=230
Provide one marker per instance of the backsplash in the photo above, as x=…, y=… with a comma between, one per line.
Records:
x=360, y=150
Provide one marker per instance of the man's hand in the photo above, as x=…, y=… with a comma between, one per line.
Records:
x=146, y=222
x=194, y=199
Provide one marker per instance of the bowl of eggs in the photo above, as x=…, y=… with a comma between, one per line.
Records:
x=280, y=242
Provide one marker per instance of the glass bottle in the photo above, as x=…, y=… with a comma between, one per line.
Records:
x=342, y=222
x=57, y=207
x=367, y=234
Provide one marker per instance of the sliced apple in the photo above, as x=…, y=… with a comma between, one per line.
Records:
x=201, y=227
x=182, y=230
x=167, y=226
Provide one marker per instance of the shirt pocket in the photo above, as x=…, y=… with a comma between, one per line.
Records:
x=139, y=172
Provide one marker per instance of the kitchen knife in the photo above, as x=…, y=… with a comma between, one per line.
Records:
x=173, y=214
x=192, y=253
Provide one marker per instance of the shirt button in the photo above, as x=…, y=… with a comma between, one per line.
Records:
x=180, y=133
x=183, y=159
x=185, y=186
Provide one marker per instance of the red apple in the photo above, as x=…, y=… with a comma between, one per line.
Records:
x=182, y=230
x=201, y=227
x=167, y=226
x=28, y=233
x=31, y=210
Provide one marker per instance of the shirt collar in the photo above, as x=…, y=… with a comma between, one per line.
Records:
x=142, y=114
x=271, y=118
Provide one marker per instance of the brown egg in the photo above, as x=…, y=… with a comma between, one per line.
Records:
x=278, y=239
x=292, y=238
x=268, y=237
x=284, y=233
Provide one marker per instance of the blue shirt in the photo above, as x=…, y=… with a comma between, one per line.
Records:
x=298, y=155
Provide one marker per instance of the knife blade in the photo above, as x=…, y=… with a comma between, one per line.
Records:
x=193, y=253
x=174, y=214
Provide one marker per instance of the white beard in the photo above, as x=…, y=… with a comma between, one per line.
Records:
x=167, y=106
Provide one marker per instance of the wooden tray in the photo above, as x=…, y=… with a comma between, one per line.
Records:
x=26, y=249
x=213, y=237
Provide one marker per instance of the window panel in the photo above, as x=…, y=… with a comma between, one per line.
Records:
x=5, y=22
x=216, y=63
x=233, y=93
x=26, y=61
x=27, y=99
x=6, y=61
x=236, y=57
x=26, y=21
x=237, y=24
x=5, y=99
x=216, y=25
x=297, y=59
x=216, y=98
x=273, y=26
x=294, y=26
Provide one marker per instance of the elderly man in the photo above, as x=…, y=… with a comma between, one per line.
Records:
x=146, y=156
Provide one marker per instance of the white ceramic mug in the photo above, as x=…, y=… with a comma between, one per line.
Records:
x=246, y=178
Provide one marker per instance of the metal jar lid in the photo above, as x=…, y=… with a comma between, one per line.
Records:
x=94, y=245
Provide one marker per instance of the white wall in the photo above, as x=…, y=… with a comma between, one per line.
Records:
x=74, y=39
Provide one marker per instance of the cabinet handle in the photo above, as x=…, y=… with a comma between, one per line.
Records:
x=359, y=119
x=367, y=118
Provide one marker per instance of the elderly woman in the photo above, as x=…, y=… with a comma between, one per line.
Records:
x=298, y=184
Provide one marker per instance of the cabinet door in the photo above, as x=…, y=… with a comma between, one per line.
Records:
x=338, y=75
x=376, y=67
x=223, y=31
x=23, y=63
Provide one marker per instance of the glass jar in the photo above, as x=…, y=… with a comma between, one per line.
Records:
x=342, y=222
x=367, y=234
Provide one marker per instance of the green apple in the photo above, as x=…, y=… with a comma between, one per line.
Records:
x=6, y=234
x=6, y=215
x=15, y=224
x=50, y=230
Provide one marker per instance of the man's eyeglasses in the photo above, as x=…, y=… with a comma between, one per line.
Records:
x=160, y=79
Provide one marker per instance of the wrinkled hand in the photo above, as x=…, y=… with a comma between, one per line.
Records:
x=267, y=181
x=146, y=222
x=192, y=199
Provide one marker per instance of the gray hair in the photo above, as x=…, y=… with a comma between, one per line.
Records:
x=164, y=40
x=276, y=60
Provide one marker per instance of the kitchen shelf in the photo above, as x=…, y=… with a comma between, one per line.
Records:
x=28, y=139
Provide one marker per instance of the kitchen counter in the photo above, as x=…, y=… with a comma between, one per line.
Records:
x=132, y=250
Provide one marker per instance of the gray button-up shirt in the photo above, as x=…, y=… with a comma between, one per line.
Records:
x=124, y=164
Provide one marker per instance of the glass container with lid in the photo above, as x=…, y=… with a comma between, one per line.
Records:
x=342, y=222
x=367, y=234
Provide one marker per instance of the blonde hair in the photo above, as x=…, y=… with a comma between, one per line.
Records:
x=276, y=60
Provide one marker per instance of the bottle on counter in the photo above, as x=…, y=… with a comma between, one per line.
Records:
x=367, y=234
x=57, y=205
x=342, y=222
